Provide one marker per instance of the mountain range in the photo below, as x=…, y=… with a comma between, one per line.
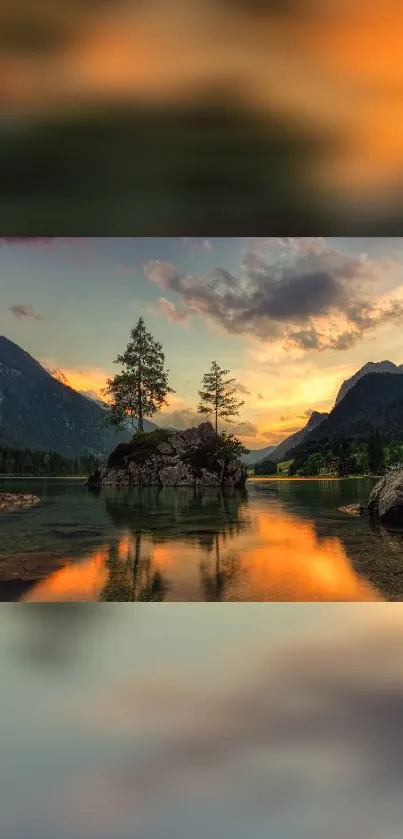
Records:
x=370, y=367
x=256, y=455
x=278, y=452
x=41, y=412
x=374, y=403
x=314, y=421
x=317, y=421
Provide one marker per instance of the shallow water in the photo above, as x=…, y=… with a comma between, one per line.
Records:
x=277, y=540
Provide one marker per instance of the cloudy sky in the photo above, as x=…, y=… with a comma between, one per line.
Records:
x=291, y=318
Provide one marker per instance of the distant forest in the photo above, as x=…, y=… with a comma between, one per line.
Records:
x=33, y=463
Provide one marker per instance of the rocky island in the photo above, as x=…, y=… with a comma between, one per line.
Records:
x=196, y=457
x=14, y=501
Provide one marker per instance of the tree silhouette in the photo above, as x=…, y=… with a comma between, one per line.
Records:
x=215, y=584
x=132, y=578
x=142, y=387
x=217, y=395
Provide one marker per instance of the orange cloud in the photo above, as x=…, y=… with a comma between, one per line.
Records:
x=86, y=379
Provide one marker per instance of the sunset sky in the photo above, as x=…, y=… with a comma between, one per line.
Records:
x=291, y=318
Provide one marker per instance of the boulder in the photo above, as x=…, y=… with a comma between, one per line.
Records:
x=209, y=479
x=353, y=509
x=386, y=499
x=114, y=477
x=179, y=474
x=165, y=448
x=14, y=500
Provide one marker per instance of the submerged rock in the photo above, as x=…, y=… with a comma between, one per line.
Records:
x=386, y=499
x=15, y=500
x=353, y=509
x=172, y=459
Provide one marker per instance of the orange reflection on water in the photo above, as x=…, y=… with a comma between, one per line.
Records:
x=279, y=558
x=82, y=581
x=288, y=562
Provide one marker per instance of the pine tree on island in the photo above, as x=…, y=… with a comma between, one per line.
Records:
x=217, y=396
x=141, y=388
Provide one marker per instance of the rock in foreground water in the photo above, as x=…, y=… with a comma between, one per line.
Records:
x=15, y=500
x=353, y=509
x=386, y=499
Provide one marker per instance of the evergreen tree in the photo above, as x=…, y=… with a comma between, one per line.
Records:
x=347, y=460
x=142, y=387
x=265, y=467
x=217, y=395
x=313, y=465
x=376, y=454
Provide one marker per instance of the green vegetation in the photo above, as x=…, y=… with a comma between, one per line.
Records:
x=142, y=387
x=265, y=467
x=142, y=446
x=217, y=396
x=283, y=468
x=216, y=453
x=376, y=454
x=347, y=457
x=270, y=467
x=33, y=463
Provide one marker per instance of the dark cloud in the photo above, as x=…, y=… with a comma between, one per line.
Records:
x=299, y=290
x=259, y=396
x=21, y=311
x=304, y=295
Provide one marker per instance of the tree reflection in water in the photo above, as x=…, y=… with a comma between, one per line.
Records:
x=216, y=583
x=201, y=518
x=181, y=512
x=131, y=576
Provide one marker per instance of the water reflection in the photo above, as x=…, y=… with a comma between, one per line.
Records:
x=192, y=513
x=131, y=575
x=216, y=582
x=180, y=545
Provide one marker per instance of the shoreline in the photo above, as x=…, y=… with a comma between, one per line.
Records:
x=313, y=478
x=43, y=477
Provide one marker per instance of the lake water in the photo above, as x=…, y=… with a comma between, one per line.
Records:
x=277, y=540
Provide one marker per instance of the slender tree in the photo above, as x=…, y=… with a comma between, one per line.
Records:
x=217, y=395
x=142, y=387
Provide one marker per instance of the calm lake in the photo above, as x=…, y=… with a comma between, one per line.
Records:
x=277, y=540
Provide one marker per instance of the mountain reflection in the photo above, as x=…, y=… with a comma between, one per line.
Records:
x=180, y=545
